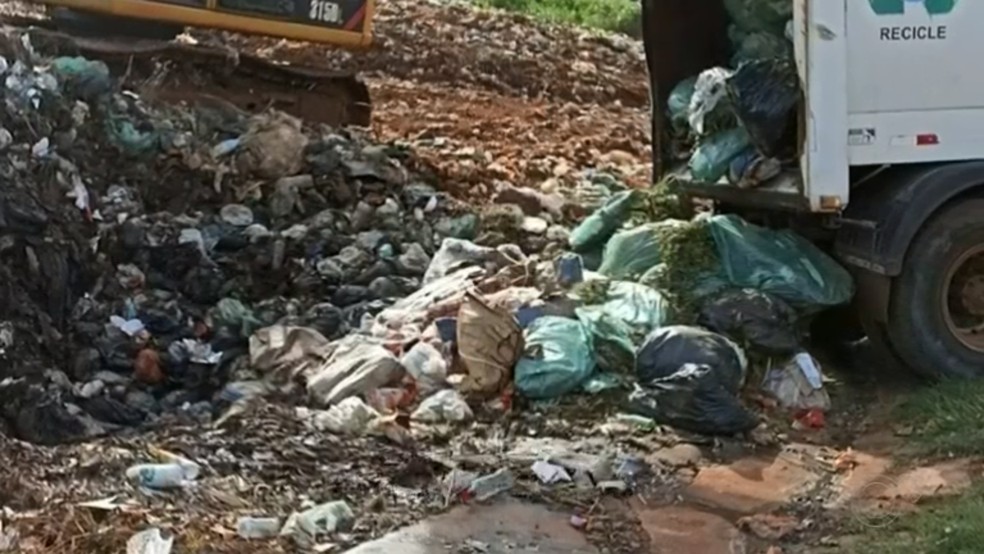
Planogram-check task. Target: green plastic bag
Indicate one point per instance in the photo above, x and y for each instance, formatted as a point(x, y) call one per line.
point(630, 253)
point(760, 46)
point(594, 231)
point(619, 325)
point(678, 104)
point(558, 358)
point(712, 158)
point(780, 263)
point(760, 15)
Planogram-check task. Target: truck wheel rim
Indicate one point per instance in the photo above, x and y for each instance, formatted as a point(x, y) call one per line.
point(963, 299)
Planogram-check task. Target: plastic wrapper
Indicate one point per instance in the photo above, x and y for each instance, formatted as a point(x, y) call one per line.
point(712, 159)
point(798, 385)
point(764, 95)
point(780, 263)
point(558, 358)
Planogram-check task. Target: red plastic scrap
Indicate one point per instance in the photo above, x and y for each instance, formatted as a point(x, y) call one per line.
point(812, 419)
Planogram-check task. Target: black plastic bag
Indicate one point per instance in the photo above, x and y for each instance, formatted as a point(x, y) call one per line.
point(754, 318)
point(764, 96)
point(690, 379)
point(696, 398)
point(667, 349)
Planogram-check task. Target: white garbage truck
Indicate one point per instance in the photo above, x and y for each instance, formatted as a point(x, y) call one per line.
point(890, 168)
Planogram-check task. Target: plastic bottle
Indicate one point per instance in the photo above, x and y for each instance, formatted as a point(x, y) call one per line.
point(487, 486)
point(162, 476)
point(258, 527)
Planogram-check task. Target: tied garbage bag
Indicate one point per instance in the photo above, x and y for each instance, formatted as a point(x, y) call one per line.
point(667, 349)
point(594, 231)
point(614, 350)
point(691, 379)
point(695, 398)
point(758, 46)
point(780, 263)
point(712, 158)
point(678, 104)
point(760, 15)
point(764, 95)
point(630, 312)
point(631, 253)
point(557, 360)
point(754, 318)
point(710, 110)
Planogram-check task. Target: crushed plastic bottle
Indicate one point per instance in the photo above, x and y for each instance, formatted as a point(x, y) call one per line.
point(304, 527)
point(258, 527)
point(163, 476)
point(487, 486)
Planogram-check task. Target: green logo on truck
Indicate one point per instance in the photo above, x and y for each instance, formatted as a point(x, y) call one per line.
point(892, 7)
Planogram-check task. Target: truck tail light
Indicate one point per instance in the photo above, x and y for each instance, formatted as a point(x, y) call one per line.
point(928, 139)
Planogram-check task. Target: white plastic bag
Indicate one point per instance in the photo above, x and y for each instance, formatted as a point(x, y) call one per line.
point(798, 385)
point(444, 406)
point(427, 366)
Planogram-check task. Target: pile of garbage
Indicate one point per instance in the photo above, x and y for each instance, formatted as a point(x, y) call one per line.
point(739, 123)
point(144, 247)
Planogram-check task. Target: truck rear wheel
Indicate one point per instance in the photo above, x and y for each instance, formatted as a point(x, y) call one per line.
point(936, 314)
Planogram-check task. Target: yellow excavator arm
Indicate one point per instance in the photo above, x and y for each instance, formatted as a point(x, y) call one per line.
point(134, 37)
point(346, 23)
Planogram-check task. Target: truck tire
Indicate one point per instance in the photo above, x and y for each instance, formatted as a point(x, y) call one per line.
point(938, 299)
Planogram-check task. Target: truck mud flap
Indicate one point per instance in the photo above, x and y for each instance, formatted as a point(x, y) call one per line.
point(177, 72)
